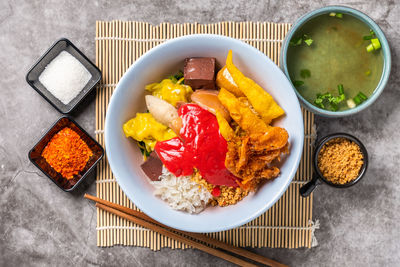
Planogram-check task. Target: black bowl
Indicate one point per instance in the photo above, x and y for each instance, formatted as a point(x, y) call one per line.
point(306, 190)
point(35, 154)
point(33, 75)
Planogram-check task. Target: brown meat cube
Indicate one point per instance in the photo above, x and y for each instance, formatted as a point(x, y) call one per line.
point(152, 167)
point(199, 72)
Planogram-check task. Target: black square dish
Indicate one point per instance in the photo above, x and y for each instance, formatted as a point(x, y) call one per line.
point(35, 155)
point(33, 75)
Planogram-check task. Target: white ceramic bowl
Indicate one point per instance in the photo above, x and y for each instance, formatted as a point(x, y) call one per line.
point(125, 158)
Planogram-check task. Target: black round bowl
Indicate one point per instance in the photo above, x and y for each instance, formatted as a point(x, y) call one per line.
point(306, 189)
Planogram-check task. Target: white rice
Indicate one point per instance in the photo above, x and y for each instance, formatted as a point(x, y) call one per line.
point(181, 193)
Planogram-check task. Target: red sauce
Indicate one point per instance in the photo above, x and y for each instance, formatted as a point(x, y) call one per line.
point(200, 146)
point(216, 192)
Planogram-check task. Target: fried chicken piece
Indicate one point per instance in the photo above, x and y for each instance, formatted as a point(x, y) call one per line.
point(270, 173)
point(274, 138)
point(243, 154)
point(268, 156)
point(250, 157)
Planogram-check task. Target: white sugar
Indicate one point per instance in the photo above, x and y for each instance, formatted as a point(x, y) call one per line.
point(65, 77)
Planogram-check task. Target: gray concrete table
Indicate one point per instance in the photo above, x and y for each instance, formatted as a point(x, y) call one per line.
point(40, 225)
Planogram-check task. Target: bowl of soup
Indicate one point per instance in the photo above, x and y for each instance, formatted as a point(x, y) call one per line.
point(337, 59)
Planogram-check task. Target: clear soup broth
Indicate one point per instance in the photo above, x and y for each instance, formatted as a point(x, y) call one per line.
point(336, 56)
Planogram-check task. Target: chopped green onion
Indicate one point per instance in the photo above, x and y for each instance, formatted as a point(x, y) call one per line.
point(362, 96)
point(296, 41)
point(370, 36)
point(357, 100)
point(319, 103)
point(351, 104)
point(340, 89)
point(308, 41)
point(305, 73)
point(340, 98)
point(179, 75)
point(143, 149)
point(328, 98)
point(375, 43)
point(299, 40)
point(172, 78)
point(334, 107)
point(298, 83)
point(368, 72)
point(337, 15)
point(177, 78)
point(370, 48)
point(326, 95)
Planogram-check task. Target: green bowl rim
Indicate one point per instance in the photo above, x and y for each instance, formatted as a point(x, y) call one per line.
point(385, 49)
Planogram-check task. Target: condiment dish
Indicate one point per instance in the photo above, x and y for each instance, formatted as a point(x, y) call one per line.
point(33, 75)
point(307, 189)
point(35, 154)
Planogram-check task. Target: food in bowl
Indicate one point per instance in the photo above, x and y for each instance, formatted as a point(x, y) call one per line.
point(213, 136)
point(340, 160)
point(335, 61)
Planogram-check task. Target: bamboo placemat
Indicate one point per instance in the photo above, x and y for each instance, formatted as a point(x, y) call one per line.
point(288, 224)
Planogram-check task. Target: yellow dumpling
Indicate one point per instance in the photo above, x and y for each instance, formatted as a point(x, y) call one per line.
point(145, 128)
point(170, 91)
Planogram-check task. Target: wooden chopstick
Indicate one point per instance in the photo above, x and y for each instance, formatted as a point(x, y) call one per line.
point(112, 207)
point(175, 236)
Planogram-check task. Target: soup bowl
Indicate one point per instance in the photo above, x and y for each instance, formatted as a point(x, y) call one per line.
point(124, 155)
point(372, 25)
